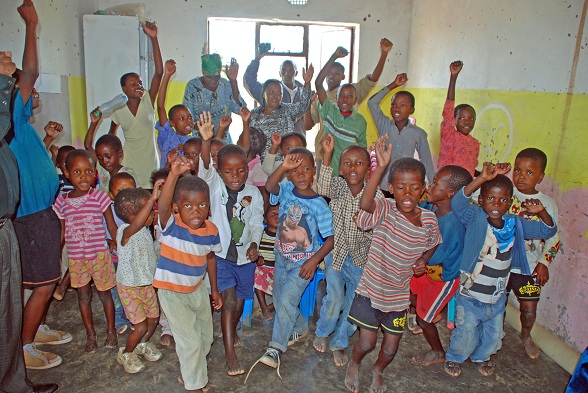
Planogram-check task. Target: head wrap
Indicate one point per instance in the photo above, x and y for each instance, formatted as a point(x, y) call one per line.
point(211, 64)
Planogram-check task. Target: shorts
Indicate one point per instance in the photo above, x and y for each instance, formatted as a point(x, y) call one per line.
point(432, 296)
point(524, 287)
point(229, 275)
point(39, 239)
point(100, 269)
point(365, 316)
point(264, 279)
point(139, 303)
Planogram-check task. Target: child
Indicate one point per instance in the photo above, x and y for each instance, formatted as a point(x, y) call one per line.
point(264, 272)
point(134, 277)
point(188, 244)
point(281, 144)
point(137, 118)
point(81, 212)
point(215, 145)
point(404, 136)
point(237, 211)
point(344, 266)
point(175, 131)
point(431, 292)
point(458, 147)
point(64, 184)
point(529, 169)
point(108, 152)
point(303, 215)
point(494, 246)
point(346, 125)
point(404, 239)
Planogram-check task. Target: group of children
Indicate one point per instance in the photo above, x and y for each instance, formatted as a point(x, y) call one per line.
point(220, 222)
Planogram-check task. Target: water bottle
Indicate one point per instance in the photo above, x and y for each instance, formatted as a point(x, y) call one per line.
point(109, 107)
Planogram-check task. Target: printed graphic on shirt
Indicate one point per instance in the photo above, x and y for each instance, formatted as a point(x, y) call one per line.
point(237, 223)
point(294, 238)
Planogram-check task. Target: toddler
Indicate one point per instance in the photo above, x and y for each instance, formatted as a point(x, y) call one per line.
point(281, 144)
point(264, 272)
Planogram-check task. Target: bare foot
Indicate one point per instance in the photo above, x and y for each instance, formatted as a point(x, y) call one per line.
point(233, 366)
point(236, 340)
point(271, 307)
point(429, 358)
point(378, 385)
point(266, 314)
point(340, 357)
point(352, 377)
point(532, 350)
point(320, 344)
point(165, 340)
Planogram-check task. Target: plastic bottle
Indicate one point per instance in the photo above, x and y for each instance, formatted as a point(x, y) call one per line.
point(109, 107)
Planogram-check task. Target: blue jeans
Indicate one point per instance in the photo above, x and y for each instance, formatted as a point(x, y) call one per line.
point(478, 329)
point(288, 289)
point(120, 318)
point(341, 286)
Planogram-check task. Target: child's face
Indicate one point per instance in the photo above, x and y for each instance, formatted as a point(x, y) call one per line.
point(133, 87)
point(354, 166)
point(495, 202)
point(346, 99)
point(182, 121)
point(303, 175)
point(271, 217)
point(214, 148)
point(335, 77)
point(526, 175)
point(81, 174)
point(465, 120)
point(108, 157)
point(273, 96)
point(120, 184)
point(192, 152)
point(401, 107)
point(290, 143)
point(408, 187)
point(193, 208)
point(439, 189)
point(61, 163)
point(233, 170)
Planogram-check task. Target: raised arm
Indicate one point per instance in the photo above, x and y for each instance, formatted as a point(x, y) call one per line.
point(206, 129)
point(383, 156)
point(340, 52)
point(325, 178)
point(30, 60)
point(385, 46)
point(245, 137)
point(89, 139)
point(52, 130)
point(223, 126)
point(489, 172)
point(454, 70)
point(170, 69)
point(290, 162)
point(143, 215)
point(151, 30)
point(113, 128)
point(180, 166)
point(232, 72)
point(252, 85)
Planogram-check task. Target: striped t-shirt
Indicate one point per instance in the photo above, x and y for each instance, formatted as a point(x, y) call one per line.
point(182, 263)
point(396, 245)
point(266, 248)
point(84, 233)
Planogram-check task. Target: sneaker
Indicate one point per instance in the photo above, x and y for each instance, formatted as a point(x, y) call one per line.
point(272, 358)
point(45, 335)
point(39, 360)
point(295, 337)
point(148, 351)
point(130, 361)
point(121, 329)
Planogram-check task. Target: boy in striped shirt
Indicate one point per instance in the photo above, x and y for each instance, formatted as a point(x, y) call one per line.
point(188, 245)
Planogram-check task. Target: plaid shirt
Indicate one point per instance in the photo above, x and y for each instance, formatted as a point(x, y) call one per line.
point(349, 239)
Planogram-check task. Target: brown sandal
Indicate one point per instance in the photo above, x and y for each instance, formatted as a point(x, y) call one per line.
point(486, 368)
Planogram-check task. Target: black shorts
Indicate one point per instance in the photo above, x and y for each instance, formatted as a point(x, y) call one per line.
point(365, 316)
point(524, 287)
point(39, 239)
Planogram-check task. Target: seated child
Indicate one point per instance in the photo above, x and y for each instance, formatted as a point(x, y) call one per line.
point(237, 211)
point(347, 126)
point(403, 135)
point(529, 169)
point(458, 147)
point(264, 272)
point(81, 211)
point(188, 244)
point(404, 239)
point(303, 214)
point(281, 145)
point(134, 277)
point(344, 266)
point(431, 292)
point(174, 131)
point(108, 152)
point(493, 247)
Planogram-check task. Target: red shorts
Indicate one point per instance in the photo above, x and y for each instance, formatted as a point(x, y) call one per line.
point(432, 296)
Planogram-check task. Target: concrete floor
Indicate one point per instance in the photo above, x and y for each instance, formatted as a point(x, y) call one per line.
point(303, 369)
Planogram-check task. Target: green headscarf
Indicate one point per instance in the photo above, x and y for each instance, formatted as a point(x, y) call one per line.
point(211, 64)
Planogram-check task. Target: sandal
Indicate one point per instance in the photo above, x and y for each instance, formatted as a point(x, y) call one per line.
point(486, 368)
point(91, 343)
point(452, 368)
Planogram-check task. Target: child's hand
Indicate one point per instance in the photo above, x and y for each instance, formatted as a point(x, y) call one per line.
point(111, 246)
point(291, 161)
point(54, 150)
point(52, 129)
point(276, 139)
point(383, 152)
point(205, 126)
point(308, 73)
point(217, 300)
point(340, 52)
point(180, 165)
point(28, 13)
point(180, 147)
point(400, 80)
point(244, 113)
point(95, 115)
point(150, 29)
point(503, 168)
point(420, 267)
point(328, 143)
point(385, 45)
point(541, 274)
point(7, 66)
point(307, 270)
point(455, 67)
point(157, 189)
point(171, 155)
point(225, 122)
point(532, 206)
point(490, 170)
point(170, 67)
point(232, 70)
point(260, 261)
point(252, 253)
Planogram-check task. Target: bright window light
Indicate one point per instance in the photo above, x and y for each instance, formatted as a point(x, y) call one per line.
point(298, 2)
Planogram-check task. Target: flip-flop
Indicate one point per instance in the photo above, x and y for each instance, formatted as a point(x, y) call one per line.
point(486, 368)
point(452, 368)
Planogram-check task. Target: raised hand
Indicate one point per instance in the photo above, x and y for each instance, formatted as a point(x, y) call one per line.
point(340, 52)
point(401, 79)
point(7, 66)
point(276, 139)
point(383, 152)
point(157, 189)
point(52, 129)
point(455, 67)
point(244, 113)
point(328, 143)
point(180, 165)
point(150, 28)
point(28, 12)
point(490, 170)
point(232, 70)
point(292, 161)
point(503, 168)
point(171, 155)
point(95, 115)
point(308, 73)
point(225, 122)
point(385, 45)
point(205, 126)
point(170, 67)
